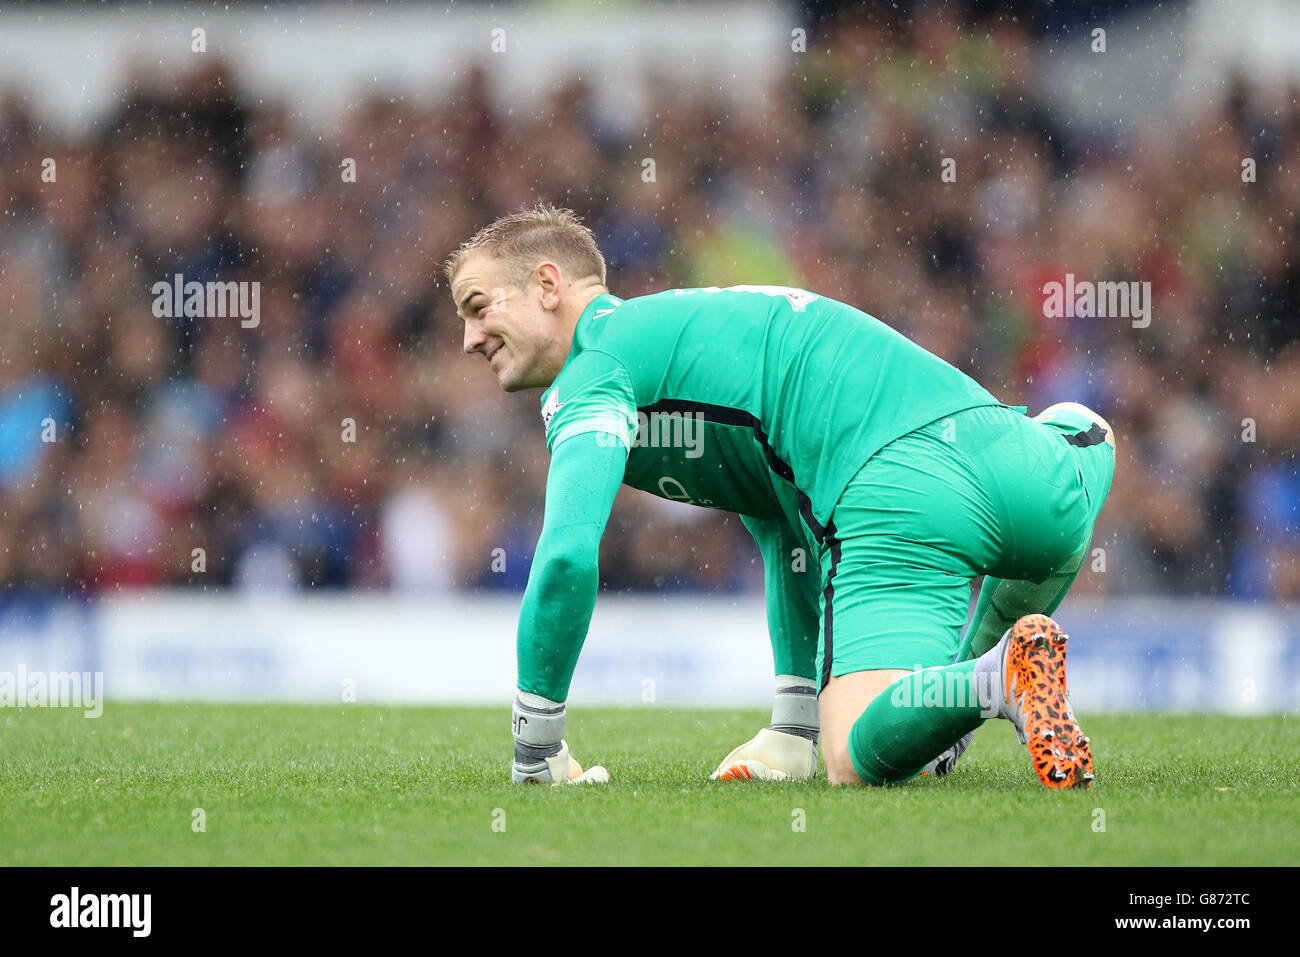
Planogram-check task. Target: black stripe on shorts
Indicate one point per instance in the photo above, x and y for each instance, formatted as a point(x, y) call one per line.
point(828, 652)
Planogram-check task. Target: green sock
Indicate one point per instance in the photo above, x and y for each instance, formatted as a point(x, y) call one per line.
point(913, 721)
point(1003, 602)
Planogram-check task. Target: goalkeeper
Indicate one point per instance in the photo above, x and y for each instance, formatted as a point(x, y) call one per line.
point(825, 430)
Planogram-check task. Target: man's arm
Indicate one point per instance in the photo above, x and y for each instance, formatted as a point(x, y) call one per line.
point(791, 583)
point(792, 578)
point(586, 471)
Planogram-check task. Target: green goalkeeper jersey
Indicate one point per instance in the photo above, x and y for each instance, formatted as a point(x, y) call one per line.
point(724, 396)
point(759, 400)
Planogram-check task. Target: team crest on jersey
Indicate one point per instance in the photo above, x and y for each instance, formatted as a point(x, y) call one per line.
point(550, 407)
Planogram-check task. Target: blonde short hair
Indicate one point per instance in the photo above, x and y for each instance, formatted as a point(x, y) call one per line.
point(525, 238)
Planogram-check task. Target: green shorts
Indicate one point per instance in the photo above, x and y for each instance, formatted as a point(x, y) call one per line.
point(984, 491)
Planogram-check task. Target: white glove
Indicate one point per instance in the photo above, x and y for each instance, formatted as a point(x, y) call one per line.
point(541, 753)
point(787, 749)
point(560, 768)
point(770, 756)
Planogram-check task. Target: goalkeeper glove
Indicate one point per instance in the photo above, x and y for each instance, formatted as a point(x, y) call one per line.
point(788, 749)
point(541, 753)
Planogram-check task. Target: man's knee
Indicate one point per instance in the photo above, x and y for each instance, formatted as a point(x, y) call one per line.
point(841, 703)
point(839, 763)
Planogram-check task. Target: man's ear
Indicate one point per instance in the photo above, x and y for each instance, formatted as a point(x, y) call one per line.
point(548, 276)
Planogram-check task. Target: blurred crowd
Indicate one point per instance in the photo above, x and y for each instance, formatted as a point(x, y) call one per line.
point(138, 450)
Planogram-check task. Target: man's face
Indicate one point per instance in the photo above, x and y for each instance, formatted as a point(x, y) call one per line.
point(511, 328)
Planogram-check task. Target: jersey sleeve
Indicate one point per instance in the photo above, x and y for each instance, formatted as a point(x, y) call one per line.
point(793, 593)
point(580, 487)
point(593, 393)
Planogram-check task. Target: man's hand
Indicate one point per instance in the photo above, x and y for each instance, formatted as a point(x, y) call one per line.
point(541, 753)
point(787, 749)
point(596, 774)
point(560, 768)
point(770, 756)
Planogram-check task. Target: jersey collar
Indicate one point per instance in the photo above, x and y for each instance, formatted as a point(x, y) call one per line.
point(602, 305)
point(597, 309)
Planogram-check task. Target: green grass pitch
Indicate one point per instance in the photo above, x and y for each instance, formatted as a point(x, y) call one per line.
point(291, 784)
